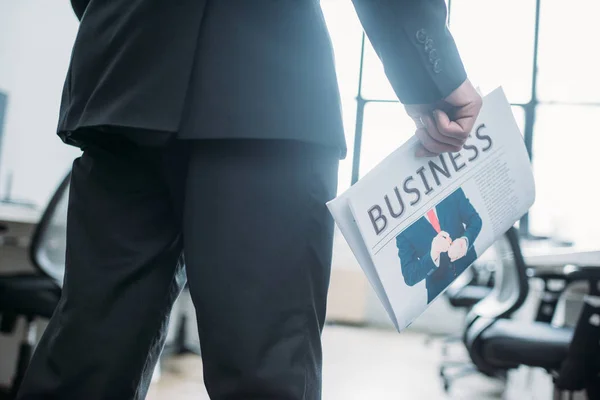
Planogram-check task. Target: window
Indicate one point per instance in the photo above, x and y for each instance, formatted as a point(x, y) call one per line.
point(375, 83)
point(519, 113)
point(496, 40)
point(554, 104)
point(566, 199)
point(386, 127)
point(568, 59)
point(346, 33)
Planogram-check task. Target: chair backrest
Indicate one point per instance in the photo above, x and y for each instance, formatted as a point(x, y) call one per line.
point(508, 295)
point(48, 243)
point(511, 282)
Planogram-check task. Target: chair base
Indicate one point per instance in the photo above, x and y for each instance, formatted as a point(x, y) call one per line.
point(447, 341)
point(460, 368)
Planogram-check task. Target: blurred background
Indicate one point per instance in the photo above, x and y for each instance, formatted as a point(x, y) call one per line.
point(540, 51)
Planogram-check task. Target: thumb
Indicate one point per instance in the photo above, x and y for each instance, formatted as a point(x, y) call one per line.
point(465, 116)
point(448, 127)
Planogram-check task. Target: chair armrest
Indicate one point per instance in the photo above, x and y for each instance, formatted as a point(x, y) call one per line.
point(570, 273)
point(555, 283)
point(554, 275)
point(586, 274)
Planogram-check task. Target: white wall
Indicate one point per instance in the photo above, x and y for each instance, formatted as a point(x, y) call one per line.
point(36, 37)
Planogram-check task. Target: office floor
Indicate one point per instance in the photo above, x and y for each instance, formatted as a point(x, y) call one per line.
point(360, 364)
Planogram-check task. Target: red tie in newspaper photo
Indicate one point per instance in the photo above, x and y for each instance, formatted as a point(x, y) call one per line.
point(435, 222)
point(433, 219)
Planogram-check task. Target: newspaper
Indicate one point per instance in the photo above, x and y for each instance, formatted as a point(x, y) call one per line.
point(415, 224)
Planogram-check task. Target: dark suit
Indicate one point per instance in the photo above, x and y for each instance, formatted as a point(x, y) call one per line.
point(241, 69)
point(459, 219)
point(253, 84)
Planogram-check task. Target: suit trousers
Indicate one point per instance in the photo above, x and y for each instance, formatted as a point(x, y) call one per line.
point(244, 221)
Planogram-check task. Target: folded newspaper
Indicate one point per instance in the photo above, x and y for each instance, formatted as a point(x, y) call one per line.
point(415, 224)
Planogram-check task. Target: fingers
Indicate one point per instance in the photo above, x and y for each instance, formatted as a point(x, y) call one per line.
point(432, 145)
point(453, 133)
point(447, 127)
point(465, 116)
point(442, 241)
point(457, 250)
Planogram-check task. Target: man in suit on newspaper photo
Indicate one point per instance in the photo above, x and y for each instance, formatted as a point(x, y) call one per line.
point(439, 246)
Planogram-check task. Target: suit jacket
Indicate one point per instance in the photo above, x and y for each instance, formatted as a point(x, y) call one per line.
point(255, 69)
point(458, 218)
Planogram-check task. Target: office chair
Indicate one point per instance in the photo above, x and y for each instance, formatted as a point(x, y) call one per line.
point(36, 295)
point(497, 344)
point(580, 370)
point(490, 332)
point(509, 292)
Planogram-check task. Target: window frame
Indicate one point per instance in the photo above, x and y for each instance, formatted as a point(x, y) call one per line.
point(529, 108)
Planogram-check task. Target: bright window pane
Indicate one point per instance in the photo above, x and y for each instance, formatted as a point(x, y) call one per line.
point(564, 149)
point(495, 39)
point(375, 82)
point(346, 32)
point(568, 55)
point(519, 114)
point(493, 55)
point(386, 127)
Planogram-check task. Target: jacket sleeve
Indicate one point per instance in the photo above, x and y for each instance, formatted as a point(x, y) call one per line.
point(412, 40)
point(414, 269)
point(470, 217)
point(79, 7)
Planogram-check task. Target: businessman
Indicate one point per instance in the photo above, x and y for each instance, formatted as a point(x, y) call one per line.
point(211, 130)
point(440, 245)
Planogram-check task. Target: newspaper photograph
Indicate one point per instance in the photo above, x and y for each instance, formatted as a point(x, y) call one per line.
point(415, 224)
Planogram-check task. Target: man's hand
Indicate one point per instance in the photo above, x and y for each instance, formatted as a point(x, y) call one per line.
point(458, 249)
point(445, 126)
point(440, 244)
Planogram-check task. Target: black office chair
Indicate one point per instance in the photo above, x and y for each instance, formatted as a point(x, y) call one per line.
point(36, 295)
point(580, 370)
point(497, 344)
point(511, 286)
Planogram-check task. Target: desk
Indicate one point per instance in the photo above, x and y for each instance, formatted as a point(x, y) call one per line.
point(17, 223)
point(20, 221)
point(558, 258)
point(13, 213)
